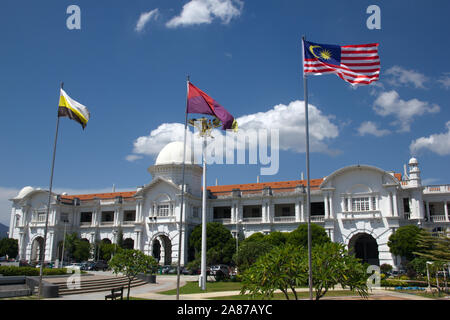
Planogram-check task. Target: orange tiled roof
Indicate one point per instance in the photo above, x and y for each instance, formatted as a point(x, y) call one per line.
point(315, 183)
point(246, 188)
point(91, 196)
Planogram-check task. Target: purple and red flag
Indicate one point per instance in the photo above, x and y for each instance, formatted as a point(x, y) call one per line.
point(200, 102)
point(356, 64)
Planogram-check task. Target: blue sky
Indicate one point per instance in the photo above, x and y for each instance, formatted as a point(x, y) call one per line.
point(246, 55)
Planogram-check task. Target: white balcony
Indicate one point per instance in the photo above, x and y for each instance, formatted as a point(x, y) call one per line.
point(252, 220)
point(317, 218)
point(222, 220)
point(128, 222)
point(284, 219)
point(438, 219)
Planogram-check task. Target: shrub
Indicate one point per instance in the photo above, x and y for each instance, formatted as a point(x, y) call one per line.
point(394, 283)
point(385, 268)
point(29, 271)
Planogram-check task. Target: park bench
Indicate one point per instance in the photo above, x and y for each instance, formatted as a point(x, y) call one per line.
point(115, 293)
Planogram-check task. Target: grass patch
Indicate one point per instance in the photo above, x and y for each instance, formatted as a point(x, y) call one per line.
point(280, 295)
point(136, 298)
point(192, 287)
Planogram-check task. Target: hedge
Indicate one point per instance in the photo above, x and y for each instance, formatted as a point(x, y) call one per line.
point(30, 271)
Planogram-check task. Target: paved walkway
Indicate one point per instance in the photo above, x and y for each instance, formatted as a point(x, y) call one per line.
point(164, 283)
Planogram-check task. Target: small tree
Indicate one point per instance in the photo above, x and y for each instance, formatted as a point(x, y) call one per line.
point(131, 263)
point(283, 268)
point(70, 245)
point(82, 250)
point(249, 252)
point(276, 238)
point(108, 250)
point(220, 244)
point(9, 247)
point(385, 268)
point(120, 237)
point(299, 237)
point(404, 241)
point(332, 265)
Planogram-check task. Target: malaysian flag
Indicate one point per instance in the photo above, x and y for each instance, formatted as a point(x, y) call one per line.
point(356, 64)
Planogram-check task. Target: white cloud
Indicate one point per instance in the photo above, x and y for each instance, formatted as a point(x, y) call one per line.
point(145, 18)
point(389, 103)
point(288, 119)
point(445, 80)
point(205, 11)
point(368, 127)
point(133, 157)
point(401, 76)
point(438, 143)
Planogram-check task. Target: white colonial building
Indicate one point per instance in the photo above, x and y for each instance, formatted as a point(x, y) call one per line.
point(359, 205)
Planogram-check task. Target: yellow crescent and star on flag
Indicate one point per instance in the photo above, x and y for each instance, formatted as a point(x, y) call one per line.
point(322, 54)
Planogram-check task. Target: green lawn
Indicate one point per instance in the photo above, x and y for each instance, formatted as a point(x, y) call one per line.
point(280, 296)
point(192, 287)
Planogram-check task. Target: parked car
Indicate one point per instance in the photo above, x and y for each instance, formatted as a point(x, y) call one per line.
point(172, 270)
point(165, 269)
point(222, 268)
point(100, 265)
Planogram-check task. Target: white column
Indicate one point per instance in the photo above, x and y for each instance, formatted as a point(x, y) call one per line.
point(302, 213)
point(332, 235)
point(271, 213)
point(446, 210)
point(297, 211)
point(428, 211)
point(391, 209)
point(350, 204)
point(331, 214)
point(327, 210)
point(395, 203)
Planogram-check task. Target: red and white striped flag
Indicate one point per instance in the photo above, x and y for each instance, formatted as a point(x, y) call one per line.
point(356, 64)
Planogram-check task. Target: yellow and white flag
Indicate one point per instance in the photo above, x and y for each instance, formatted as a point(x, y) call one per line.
point(72, 109)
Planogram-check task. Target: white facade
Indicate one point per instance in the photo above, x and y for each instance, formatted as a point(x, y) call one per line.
point(360, 206)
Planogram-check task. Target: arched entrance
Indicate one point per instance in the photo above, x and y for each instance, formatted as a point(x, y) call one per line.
point(128, 243)
point(37, 249)
point(365, 248)
point(162, 250)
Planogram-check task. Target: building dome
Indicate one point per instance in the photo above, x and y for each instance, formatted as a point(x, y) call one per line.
point(413, 161)
point(24, 192)
point(173, 153)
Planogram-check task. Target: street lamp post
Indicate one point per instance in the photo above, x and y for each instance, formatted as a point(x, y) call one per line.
point(428, 275)
point(237, 234)
point(64, 242)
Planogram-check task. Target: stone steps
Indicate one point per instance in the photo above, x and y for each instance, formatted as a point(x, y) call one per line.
point(98, 285)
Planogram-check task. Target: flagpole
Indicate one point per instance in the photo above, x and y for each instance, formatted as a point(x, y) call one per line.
point(48, 205)
point(203, 259)
point(182, 193)
point(308, 188)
